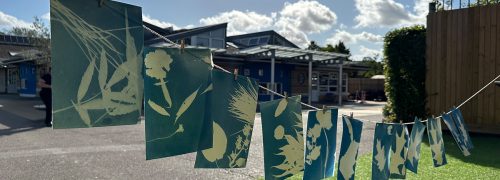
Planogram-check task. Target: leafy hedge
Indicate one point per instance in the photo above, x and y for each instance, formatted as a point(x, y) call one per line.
point(404, 69)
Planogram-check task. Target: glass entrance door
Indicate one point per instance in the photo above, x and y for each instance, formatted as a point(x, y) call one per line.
point(12, 80)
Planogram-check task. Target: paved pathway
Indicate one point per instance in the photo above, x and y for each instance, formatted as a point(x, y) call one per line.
point(28, 150)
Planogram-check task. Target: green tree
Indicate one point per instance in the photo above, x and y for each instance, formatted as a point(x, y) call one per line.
point(341, 48)
point(376, 68)
point(338, 48)
point(313, 46)
point(404, 69)
point(328, 48)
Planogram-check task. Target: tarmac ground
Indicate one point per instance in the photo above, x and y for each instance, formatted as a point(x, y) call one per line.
point(29, 150)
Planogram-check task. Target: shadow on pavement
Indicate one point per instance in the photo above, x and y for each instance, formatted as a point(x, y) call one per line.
point(11, 124)
point(21, 107)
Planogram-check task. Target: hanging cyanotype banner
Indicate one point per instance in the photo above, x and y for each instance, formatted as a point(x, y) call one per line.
point(177, 86)
point(321, 143)
point(460, 123)
point(416, 136)
point(382, 142)
point(233, 107)
point(351, 136)
point(450, 123)
point(436, 141)
point(399, 151)
point(283, 137)
point(96, 63)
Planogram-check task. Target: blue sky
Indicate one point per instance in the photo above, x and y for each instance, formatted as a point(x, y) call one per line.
point(361, 24)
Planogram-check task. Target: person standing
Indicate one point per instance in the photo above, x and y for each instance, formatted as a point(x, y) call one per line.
point(45, 82)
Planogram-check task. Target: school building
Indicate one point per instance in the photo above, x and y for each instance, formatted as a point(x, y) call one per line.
point(276, 63)
point(21, 64)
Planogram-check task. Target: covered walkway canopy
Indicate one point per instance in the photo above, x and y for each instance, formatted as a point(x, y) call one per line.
point(297, 55)
point(22, 56)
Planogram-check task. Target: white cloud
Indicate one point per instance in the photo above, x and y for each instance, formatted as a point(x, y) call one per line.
point(307, 16)
point(421, 9)
point(297, 20)
point(158, 23)
point(389, 13)
point(240, 22)
point(190, 26)
point(294, 35)
point(46, 16)
point(366, 52)
point(380, 13)
point(350, 38)
point(342, 26)
point(7, 22)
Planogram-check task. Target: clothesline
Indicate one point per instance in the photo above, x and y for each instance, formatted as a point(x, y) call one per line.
point(308, 105)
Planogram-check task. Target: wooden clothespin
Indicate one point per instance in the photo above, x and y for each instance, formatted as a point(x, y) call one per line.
point(286, 95)
point(101, 3)
point(400, 121)
point(235, 74)
point(183, 45)
point(324, 109)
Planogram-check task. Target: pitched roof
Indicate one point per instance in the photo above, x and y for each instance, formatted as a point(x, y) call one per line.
point(262, 33)
point(179, 34)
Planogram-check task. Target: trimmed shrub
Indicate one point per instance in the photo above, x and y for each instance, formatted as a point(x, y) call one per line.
point(404, 70)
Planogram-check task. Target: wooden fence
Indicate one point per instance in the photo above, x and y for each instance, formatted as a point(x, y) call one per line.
point(463, 54)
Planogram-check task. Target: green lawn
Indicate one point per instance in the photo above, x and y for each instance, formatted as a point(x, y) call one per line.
point(484, 163)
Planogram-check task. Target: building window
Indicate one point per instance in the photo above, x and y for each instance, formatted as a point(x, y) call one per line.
point(323, 79)
point(253, 41)
point(246, 72)
point(187, 41)
point(328, 82)
point(261, 72)
point(344, 83)
point(262, 91)
point(279, 88)
point(205, 34)
point(244, 41)
point(219, 33)
point(200, 41)
point(263, 40)
point(217, 43)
